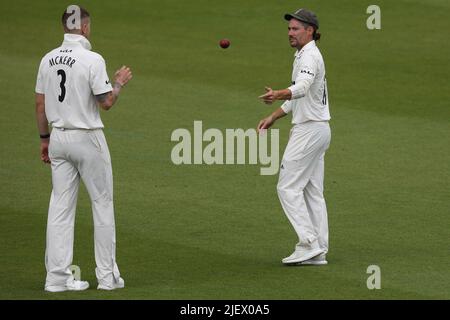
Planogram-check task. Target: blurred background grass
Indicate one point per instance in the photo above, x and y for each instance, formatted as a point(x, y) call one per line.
point(218, 232)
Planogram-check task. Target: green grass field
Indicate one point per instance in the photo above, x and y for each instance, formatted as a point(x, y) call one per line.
point(218, 232)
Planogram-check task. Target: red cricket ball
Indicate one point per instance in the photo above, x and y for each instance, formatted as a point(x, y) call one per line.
point(224, 43)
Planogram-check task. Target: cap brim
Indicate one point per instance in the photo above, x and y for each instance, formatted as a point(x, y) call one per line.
point(289, 16)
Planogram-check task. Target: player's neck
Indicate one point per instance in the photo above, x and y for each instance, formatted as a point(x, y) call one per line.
point(300, 47)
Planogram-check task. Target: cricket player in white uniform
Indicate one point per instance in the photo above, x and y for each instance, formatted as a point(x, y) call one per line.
point(72, 84)
point(300, 184)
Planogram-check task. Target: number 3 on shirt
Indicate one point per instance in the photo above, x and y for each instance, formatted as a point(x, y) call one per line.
point(61, 85)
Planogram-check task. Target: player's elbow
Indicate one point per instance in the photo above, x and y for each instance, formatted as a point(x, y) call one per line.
point(106, 105)
point(40, 108)
point(105, 100)
point(299, 90)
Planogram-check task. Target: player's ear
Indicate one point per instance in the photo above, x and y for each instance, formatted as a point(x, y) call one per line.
point(86, 27)
point(85, 30)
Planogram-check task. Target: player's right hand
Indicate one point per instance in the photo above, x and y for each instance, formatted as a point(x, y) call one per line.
point(123, 75)
point(269, 97)
point(44, 152)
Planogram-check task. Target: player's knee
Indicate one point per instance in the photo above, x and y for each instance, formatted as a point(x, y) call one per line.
point(61, 215)
point(290, 189)
point(314, 193)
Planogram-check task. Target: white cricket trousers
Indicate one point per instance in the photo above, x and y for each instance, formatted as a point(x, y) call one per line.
point(76, 154)
point(300, 184)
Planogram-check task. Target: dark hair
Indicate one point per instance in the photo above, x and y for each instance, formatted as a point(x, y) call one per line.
point(316, 35)
point(83, 14)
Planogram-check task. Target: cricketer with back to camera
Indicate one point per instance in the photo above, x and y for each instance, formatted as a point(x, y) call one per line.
point(72, 84)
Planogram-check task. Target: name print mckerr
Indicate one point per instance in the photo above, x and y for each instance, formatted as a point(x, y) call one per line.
point(62, 59)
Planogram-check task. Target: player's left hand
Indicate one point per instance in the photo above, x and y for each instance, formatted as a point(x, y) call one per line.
point(44, 151)
point(265, 124)
point(270, 96)
point(123, 75)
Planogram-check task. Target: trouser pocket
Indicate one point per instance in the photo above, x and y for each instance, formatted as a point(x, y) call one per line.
point(95, 140)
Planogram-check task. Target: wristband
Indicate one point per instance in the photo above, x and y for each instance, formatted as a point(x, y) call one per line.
point(45, 136)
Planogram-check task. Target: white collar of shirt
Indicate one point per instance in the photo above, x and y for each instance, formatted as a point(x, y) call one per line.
point(310, 44)
point(70, 38)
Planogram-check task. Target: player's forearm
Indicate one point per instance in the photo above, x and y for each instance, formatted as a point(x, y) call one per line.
point(277, 114)
point(42, 123)
point(107, 100)
point(284, 94)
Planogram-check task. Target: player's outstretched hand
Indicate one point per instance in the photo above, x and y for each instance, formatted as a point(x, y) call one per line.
point(123, 75)
point(269, 97)
point(265, 123)
point(44, 152)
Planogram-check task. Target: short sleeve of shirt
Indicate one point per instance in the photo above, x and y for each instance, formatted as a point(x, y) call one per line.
point(98, 77)
point(40, 80)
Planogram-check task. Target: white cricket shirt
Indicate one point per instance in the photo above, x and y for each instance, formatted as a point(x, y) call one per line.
point(309, 87)
point(69, 77)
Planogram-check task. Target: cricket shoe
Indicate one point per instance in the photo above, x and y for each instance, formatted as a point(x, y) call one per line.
point(319, 260)
point(117, 284)
point(303, 252)
point(71, 285)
